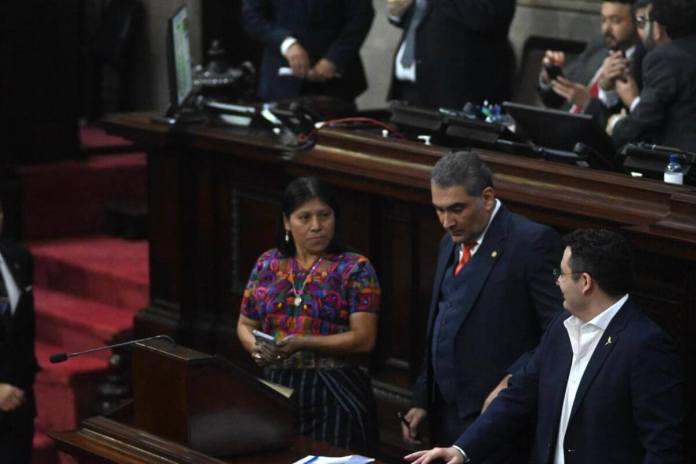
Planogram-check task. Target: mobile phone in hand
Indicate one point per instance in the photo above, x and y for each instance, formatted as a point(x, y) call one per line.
point(262, 337)
point(553, 71)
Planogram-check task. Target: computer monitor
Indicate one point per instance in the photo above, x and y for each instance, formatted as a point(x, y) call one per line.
point(179, 62)
point(562, 130)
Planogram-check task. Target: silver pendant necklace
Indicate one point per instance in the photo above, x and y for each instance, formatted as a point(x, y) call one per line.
point(297, 301)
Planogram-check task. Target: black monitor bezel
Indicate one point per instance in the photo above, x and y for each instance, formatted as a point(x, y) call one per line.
point(586, 131)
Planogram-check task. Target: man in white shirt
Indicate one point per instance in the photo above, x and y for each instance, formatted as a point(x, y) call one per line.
point(604, 385)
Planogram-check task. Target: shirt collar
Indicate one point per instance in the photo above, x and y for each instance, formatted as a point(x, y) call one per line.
point(480, 238)
point(630, 51)
point(601, 320)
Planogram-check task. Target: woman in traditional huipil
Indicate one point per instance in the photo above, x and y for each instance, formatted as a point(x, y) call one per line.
point(319, 302)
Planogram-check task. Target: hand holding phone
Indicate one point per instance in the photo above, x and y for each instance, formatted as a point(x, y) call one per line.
point(553, 71)
point(262, 337)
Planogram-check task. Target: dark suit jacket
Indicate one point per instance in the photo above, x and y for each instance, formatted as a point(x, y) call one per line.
point(582, 70)
point(510, 299)
point(462, 52)
point(629, 405)
point(332, 29)
point(18, 365)
point(666, 114)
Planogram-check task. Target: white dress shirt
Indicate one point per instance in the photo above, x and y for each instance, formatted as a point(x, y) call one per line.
point(584, 337)
point(10, 284)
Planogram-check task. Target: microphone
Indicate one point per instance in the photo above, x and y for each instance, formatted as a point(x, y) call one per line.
point(60, 357)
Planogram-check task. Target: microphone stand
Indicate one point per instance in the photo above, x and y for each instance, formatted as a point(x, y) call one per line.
point(61, 357)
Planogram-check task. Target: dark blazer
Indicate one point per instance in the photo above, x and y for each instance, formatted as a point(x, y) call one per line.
point(629, 405)
point(18, 364)
point(510, 298)
point(462, 52)
point(583, 69)
point(666, 114)
point(332, 29)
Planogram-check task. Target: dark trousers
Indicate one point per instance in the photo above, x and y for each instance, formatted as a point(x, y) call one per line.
point(16, 436)
point(333, 405)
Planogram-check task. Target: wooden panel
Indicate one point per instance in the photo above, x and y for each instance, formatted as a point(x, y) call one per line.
point(164, 228)
point(234, 179)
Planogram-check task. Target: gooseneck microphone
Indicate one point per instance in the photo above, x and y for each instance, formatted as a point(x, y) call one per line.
point(60, 357)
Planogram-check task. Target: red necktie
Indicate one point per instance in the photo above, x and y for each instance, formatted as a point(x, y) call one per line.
point(593, 90)
point(464, 258)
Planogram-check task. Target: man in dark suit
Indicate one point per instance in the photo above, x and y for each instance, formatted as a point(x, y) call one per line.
point(605, 384)
point(17, 362)
point(311, 47)
point(664, 111)
point(452, 52)
point(493, 294)
point(588, 82)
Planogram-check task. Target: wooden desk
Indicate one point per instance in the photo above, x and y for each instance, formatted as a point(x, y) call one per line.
point(103, 440)
point(214, 207)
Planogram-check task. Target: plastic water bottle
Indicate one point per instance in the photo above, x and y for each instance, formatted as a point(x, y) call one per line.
point(674, 174)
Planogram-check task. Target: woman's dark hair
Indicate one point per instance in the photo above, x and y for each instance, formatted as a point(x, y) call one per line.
point(297, 193)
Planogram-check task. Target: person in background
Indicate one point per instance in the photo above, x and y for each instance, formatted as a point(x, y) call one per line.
point(320, 303)
point(605, 384)
point(18, 364)
point(587, 84)
point(452, 52)
point(311, 47)
point(663, 112)
point(493, 295)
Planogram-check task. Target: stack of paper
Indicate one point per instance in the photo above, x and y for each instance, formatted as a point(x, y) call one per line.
point(352, 459)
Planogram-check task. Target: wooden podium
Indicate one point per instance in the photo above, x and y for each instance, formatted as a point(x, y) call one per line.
point(188, 407)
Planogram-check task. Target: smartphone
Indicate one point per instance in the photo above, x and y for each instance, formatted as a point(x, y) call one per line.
point(553, 71)
point(262, 337)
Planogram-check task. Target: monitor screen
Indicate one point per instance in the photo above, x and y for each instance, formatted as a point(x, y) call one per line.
point(180, 73)
point(561, 130)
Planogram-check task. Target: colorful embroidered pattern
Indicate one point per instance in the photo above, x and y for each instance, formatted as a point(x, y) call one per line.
point(340, 286)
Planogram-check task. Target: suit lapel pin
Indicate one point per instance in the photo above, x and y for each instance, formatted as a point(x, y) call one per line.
point(494, 254)
point(609, 341)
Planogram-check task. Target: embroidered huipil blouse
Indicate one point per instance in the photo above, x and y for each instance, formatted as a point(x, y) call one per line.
point(339, 286)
